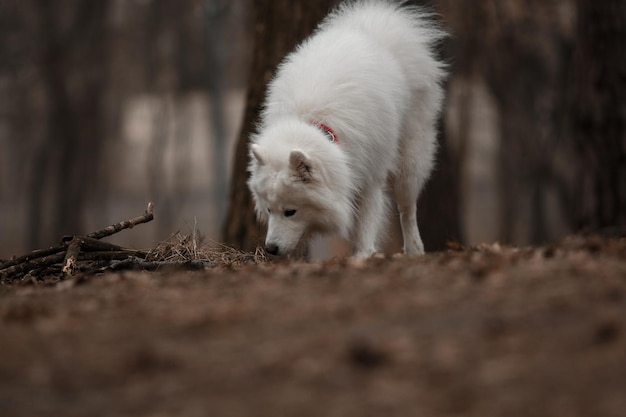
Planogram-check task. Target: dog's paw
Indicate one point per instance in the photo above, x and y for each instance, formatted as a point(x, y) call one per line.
point(362, 259)
point(365, 253)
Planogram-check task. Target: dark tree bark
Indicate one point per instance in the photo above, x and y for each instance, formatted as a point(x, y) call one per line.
point(438, 209)
point(215, 84)
point(69, 155)
point(520, 52)
point(600, 114)
point(279, 25)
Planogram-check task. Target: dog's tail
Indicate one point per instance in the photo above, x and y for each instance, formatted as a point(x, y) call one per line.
point(411, 33)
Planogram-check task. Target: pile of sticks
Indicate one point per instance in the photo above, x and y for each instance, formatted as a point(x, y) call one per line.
point(74, 251)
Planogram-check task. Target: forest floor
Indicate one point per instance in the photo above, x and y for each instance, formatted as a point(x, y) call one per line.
point(485, 331)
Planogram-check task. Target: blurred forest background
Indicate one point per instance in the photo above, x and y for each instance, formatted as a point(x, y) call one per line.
point(108, 104)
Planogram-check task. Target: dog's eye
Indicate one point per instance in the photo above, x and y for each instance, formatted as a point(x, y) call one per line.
point(269, 211)
point(289, 213)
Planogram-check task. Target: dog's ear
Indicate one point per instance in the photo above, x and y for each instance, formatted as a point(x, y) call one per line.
point(300, 165)
point(256, 153)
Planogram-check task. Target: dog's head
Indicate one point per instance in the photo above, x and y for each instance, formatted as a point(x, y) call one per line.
point(300, 183)
point(285, 194)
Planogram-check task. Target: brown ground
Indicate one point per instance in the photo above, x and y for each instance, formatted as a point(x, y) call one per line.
point(488, 331)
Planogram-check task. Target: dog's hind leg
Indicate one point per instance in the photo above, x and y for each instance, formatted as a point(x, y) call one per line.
point(369, 222)
point(416, 162)
point(407, 207)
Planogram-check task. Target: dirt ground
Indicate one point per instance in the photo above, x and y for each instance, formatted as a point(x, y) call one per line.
point(488, 331)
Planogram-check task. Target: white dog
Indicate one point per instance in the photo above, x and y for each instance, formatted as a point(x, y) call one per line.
point(350, 111)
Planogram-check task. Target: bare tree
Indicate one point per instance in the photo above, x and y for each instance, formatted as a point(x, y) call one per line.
point(520, 51)
point(215, 12)
point(599, 111)
point(72, 63)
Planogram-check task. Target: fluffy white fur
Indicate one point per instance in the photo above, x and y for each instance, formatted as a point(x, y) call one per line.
point(368, 73)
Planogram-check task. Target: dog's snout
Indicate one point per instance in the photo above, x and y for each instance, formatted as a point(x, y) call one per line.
point(271, 248)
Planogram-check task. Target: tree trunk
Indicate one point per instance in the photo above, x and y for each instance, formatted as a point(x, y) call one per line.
point(600, 114)
point(438, 209)
point(70, 153)
point(279, 25)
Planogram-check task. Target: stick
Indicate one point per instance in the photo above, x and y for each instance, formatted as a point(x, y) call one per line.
point(39, 253)
point(111, 256)
point(91, 244)
point(81, 244)
point(131, 264)
point(69, 263)
point(40, 262)
point(47, 261)
point(128, 224)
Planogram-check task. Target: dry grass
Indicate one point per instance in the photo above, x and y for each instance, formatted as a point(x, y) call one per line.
point(184, 248)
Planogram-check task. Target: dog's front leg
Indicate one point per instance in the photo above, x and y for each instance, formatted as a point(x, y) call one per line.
point(369, 221)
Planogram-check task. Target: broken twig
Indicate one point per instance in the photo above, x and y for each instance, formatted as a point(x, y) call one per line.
point(128, 224)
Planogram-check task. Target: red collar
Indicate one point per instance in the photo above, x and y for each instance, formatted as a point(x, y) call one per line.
point(328, 132)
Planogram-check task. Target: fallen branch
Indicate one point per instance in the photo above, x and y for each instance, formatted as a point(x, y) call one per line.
point(71, 256)
point(128, 224)
point(142, 265)
point(76, 248)
point(79, 247)
point(15, 271)
point(39, 253)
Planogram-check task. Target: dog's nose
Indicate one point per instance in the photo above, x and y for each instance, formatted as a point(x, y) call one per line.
point(271, 248)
